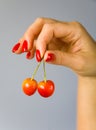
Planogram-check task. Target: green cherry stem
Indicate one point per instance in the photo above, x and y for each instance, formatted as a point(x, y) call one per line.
point(44, 71)
point(35, 71)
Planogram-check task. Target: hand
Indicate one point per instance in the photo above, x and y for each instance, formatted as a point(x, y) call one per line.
point(61, 43)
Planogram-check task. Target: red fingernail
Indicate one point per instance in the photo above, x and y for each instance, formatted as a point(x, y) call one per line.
point(15, 48)
point(38, 57)
point(25, 46)
point(50, 57)
point(28, 55)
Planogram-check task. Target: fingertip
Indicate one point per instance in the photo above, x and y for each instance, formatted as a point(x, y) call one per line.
point(38, 55)
point(29, 55)
point(17, 48)
point(25, 46)
point(49, 57)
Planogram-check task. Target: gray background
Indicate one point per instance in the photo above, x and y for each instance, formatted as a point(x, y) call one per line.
point(17, 111)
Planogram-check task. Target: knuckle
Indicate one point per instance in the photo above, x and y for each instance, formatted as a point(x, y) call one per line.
point(76, 24)
point(78, 27)
point(48, 26)
point(40, 20)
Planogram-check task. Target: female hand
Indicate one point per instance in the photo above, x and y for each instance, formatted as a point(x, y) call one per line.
point(61, 43)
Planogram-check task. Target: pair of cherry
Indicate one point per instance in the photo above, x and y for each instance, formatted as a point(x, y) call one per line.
point(45, 87)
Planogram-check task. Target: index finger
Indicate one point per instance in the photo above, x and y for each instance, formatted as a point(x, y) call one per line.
point(34, 30)
point(58, 30)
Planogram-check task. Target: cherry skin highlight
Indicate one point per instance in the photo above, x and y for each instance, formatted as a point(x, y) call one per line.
point(29, 86)
point(46, 88)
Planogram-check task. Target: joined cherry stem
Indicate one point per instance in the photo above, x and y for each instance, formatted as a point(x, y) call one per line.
point(44, 71)
point(36, 69)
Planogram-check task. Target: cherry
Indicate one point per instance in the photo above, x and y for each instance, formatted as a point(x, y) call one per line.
point(46, 88)
point(29, 86)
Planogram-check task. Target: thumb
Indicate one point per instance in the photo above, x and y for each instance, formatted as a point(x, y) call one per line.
point(59, 58)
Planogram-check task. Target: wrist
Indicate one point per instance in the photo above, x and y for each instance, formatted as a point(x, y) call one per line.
point(87, 81)
point(86, 103)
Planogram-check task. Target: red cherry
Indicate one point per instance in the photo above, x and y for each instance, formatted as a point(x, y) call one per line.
point(29, 86)
point(46, 89)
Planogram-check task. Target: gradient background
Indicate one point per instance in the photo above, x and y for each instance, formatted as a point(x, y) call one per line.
point(17, 111)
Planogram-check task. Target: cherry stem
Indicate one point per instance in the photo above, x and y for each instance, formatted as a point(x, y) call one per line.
point(44, 71)
point(35, 71)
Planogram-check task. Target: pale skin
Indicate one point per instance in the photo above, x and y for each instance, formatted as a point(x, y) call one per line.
point(73, 47)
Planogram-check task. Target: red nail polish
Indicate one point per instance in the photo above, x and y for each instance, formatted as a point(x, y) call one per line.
point(15, 48)
point(25, 46)
point(38, 57)
point(50, 57)
point(28, 55)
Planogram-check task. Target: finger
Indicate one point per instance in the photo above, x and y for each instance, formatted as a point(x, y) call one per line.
point(34, 30)
point(31, 34)
point(44, 38)
point(30, 54)
point(17, 48)
point(58, 58)
point(62, 58)
point(70, 60)
point(50, 31)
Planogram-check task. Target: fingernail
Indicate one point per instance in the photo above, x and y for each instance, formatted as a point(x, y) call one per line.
point(38, 56)
point(15, 48)
point(50, 57)
point(25, 46)
point(28, 55)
